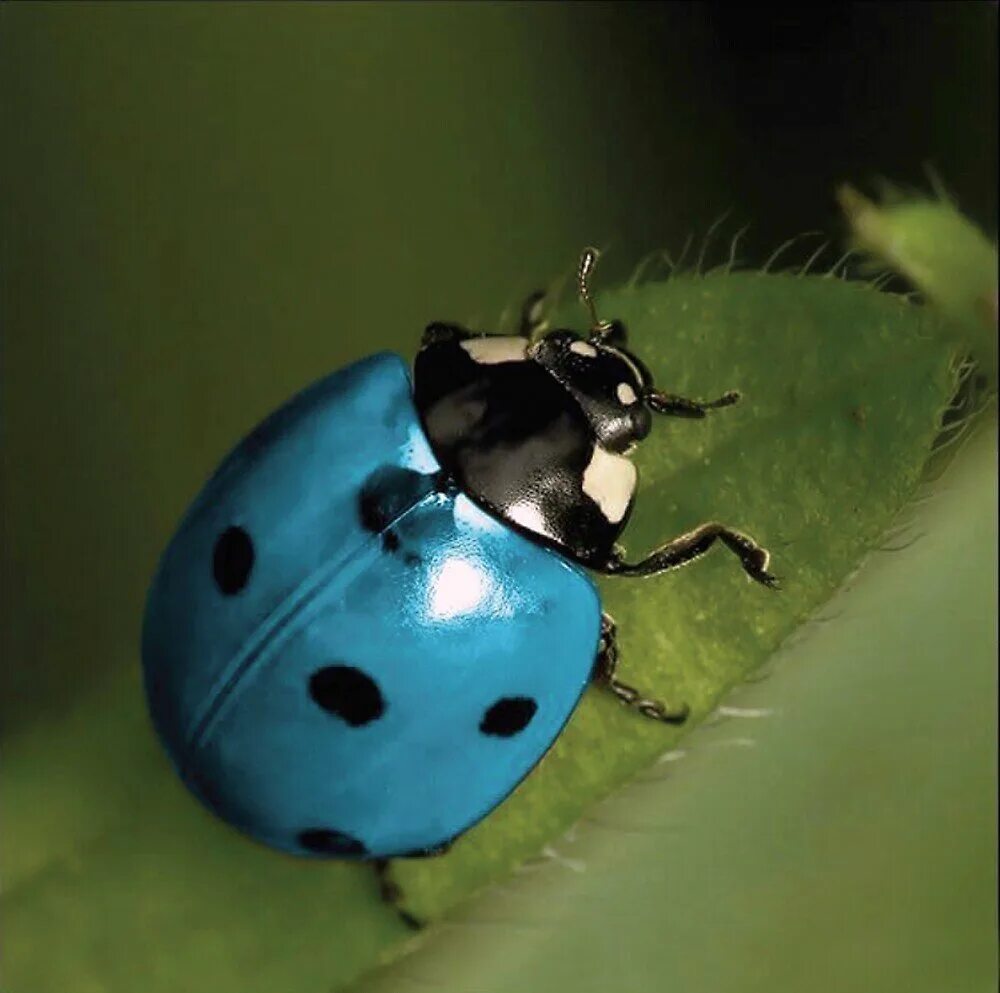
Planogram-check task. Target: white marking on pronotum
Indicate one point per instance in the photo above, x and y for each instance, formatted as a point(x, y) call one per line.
point(493, 350)
point(626, 395)
point(609, 481)
point(582, 348)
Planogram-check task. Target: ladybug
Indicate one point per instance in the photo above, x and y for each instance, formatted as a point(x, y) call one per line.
point(376, 617)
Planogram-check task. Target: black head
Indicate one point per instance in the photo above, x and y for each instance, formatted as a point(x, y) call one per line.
point(610, 384)
point(538, 432)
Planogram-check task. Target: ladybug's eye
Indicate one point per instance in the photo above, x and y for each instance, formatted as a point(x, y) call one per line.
point(232, 560)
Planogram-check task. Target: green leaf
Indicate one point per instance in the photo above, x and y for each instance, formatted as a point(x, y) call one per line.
point(844, 389)
point(939, 251)
point(833, 828)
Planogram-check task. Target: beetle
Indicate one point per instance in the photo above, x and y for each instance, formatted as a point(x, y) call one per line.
point(377, 615)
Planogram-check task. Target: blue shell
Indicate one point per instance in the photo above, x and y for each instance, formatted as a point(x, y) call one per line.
point(359, 565)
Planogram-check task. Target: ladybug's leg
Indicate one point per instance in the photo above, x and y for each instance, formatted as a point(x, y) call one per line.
point(605, 667)
point(693, 545)
point(532, 319)
point(392, 894)
point(675, 406)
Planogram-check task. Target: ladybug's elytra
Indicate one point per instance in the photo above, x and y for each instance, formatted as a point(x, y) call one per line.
point(376, 617)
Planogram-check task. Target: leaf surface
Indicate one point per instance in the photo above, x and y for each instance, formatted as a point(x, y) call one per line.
point(843, 391)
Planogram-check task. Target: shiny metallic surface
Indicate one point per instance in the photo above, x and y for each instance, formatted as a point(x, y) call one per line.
point(361, 560)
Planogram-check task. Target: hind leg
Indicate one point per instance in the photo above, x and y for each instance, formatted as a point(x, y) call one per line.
point(605, 669)
point(391, 892)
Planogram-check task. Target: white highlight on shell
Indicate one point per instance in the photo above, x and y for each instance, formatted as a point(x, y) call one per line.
point(468, 515)
point(528, 516)
point(582, 348)
point(417, 453)
point(609, 480)
point(492, 351)
point(458, 587)
point(626, 395)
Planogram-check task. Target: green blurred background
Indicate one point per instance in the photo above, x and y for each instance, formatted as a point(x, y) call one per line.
point(206, 207)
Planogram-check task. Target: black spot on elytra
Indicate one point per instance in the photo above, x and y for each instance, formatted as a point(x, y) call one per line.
point(232, 560)
point(347, 693)
point(390, 541)
point(508, 716)
point(325, 841)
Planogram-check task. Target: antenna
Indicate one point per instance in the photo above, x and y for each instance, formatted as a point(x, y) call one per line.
point(588, 262)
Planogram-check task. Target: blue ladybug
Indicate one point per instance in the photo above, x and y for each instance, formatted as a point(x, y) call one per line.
point(376, 617)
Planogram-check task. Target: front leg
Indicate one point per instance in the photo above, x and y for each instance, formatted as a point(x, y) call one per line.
point(675, 406)
point(605, 667)
point(693, 545)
